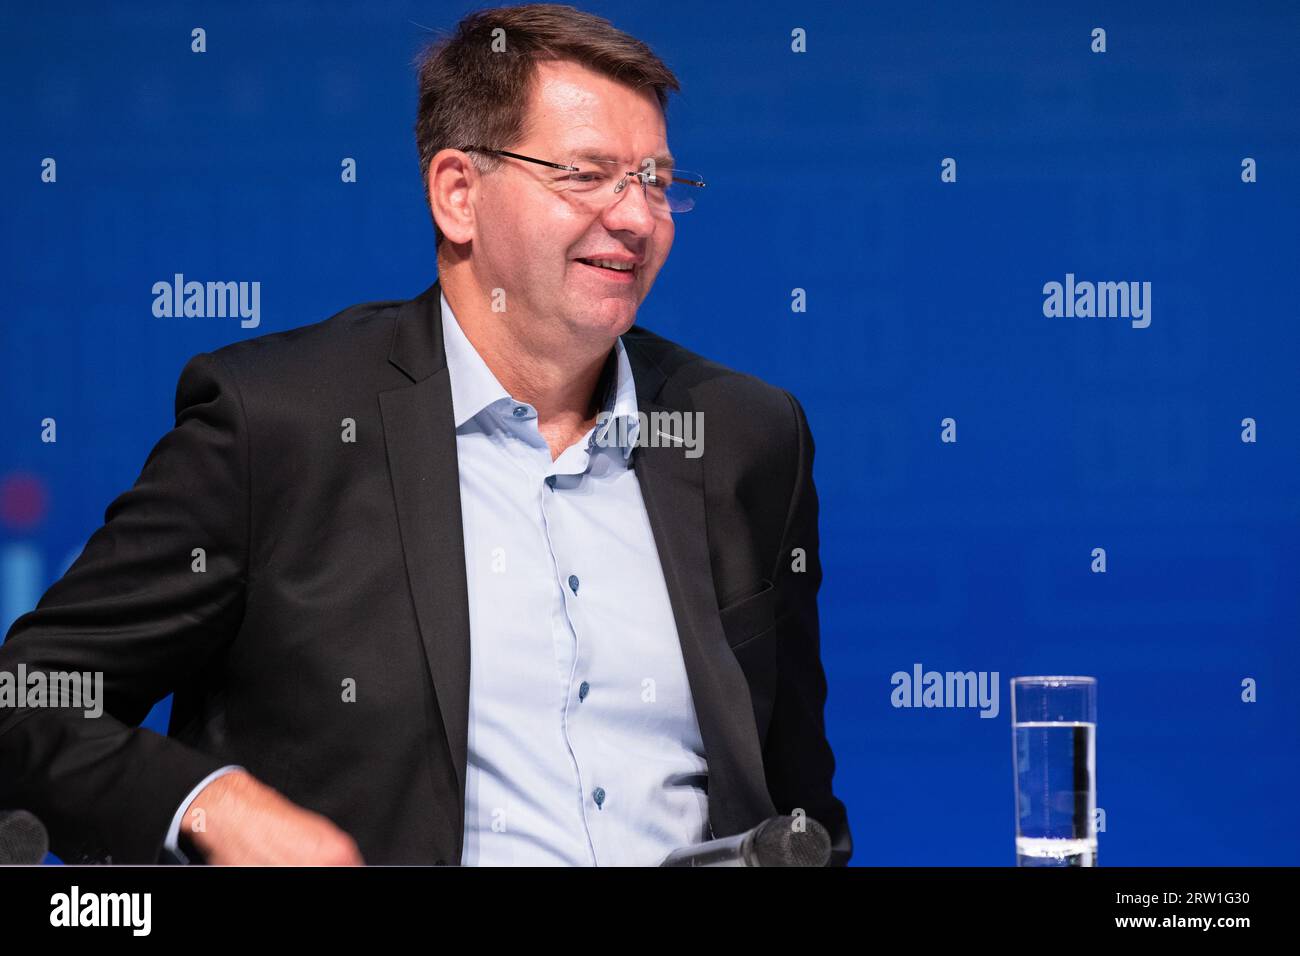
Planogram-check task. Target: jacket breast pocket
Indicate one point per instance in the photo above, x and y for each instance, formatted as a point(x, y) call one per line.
point(750, 617)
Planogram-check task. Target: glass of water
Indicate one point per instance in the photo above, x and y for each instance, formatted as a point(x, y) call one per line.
point(1054, 728)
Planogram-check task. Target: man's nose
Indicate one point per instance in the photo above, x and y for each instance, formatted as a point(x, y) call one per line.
point(631, 213)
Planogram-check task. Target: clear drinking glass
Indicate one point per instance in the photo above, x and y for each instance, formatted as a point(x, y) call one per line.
point(1054, 730)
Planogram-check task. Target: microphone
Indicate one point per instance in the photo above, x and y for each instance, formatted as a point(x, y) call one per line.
point(774, 842)
point(23, 840)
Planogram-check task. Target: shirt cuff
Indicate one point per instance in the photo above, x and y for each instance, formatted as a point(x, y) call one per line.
point(171, 846)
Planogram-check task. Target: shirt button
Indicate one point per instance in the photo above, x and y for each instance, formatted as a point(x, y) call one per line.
point(582, 690)
point(598, 795)
point(520, 411)
point(573, 583)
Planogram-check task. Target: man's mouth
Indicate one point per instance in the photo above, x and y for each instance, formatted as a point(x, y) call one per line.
point(611, 265)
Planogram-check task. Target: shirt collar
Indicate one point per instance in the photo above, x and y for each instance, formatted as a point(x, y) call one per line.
point(474, 387)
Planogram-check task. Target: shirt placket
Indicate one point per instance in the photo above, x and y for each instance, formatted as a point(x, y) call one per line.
point(560, 478)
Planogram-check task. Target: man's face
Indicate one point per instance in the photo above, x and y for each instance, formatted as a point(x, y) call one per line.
point(531, 235)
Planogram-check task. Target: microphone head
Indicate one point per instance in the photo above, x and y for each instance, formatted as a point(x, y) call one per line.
point(776, 842)
point(23, 840)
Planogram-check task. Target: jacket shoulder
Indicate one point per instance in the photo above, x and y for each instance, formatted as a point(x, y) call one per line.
point(710, 384)
point(320, 351)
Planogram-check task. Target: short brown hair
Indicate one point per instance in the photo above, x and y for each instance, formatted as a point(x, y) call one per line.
point(471, 95)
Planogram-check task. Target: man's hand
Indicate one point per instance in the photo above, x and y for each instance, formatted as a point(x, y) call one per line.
point(247, 823)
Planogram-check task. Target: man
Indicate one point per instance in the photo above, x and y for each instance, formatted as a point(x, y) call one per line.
point(424, 588)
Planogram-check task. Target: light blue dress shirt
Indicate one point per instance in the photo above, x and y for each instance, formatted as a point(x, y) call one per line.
point(583, 742)
point(584, 747)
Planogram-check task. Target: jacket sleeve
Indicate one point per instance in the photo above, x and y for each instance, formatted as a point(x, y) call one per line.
point(797, 756)
point(142, 610)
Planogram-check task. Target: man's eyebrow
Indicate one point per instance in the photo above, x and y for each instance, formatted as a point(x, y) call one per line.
point(663, 159)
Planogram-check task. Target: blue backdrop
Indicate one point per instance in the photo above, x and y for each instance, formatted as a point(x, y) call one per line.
point(924, 301)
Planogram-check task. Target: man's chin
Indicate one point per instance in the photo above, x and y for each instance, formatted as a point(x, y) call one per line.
point(609, 316)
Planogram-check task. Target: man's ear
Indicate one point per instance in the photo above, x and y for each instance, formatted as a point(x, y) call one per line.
point(452, 179)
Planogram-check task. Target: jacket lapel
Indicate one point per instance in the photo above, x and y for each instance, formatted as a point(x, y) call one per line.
point(672, 486)
point(420, 438)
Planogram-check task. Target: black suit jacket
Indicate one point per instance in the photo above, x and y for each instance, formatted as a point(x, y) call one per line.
point(328, 560)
